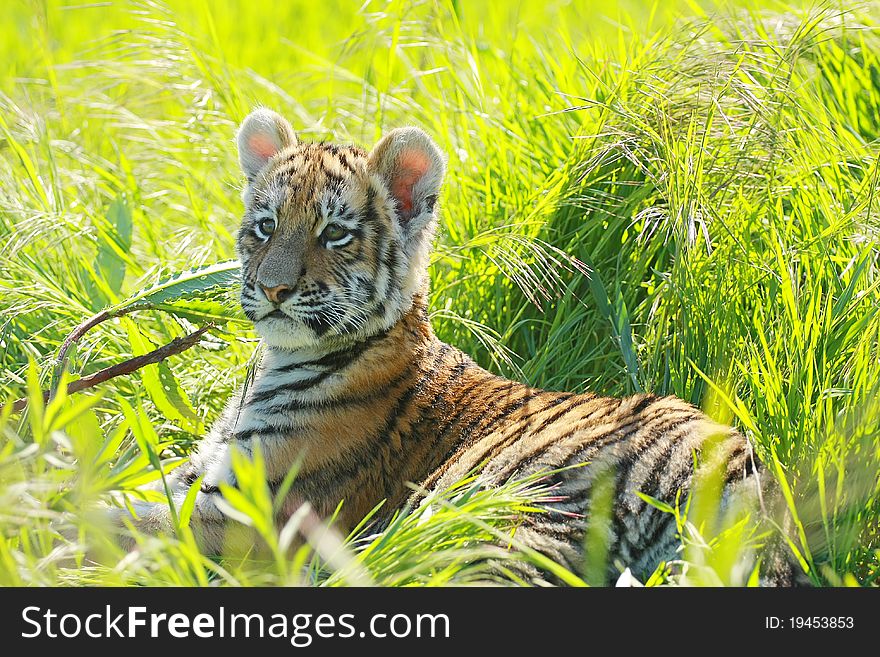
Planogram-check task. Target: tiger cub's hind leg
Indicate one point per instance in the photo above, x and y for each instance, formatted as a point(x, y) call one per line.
point(598, 524)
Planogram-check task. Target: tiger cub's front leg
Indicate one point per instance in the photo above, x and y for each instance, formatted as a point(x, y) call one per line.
point(156, 518)
point(213, 531)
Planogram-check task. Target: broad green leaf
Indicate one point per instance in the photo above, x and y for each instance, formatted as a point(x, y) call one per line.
point(161, 386)
point(189, 502)
point(114, 243)
point(208, 282)
point(219, 311)
point(179, 399)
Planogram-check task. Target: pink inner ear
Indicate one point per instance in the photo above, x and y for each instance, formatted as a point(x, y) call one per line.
point(411, 166)
point(262, 146)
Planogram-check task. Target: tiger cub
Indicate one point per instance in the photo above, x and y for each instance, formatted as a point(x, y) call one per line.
point(355, 388)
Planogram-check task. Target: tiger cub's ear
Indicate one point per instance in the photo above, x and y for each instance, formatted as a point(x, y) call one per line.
point(261, 136)
point(412, 167)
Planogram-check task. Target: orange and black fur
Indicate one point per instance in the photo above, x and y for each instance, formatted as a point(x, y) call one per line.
point(354, 385)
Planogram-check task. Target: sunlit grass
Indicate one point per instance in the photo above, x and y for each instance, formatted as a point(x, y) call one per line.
point(713, 169)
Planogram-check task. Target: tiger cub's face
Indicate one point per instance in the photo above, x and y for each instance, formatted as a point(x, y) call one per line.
point(334, 241)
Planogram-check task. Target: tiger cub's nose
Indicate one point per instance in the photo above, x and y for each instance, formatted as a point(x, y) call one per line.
point(277, 294)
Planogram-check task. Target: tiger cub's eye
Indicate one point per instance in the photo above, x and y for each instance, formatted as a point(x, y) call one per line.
point(334, 233)
point(265, 227)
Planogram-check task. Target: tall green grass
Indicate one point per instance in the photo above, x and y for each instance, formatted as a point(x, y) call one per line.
point(677, 198)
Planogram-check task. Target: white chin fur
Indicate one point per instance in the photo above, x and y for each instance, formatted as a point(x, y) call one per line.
point(283, 334)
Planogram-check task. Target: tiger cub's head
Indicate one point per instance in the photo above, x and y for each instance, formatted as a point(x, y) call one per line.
point(335, 241)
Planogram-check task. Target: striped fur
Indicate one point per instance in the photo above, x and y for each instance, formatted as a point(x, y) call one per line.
point(355, 388)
